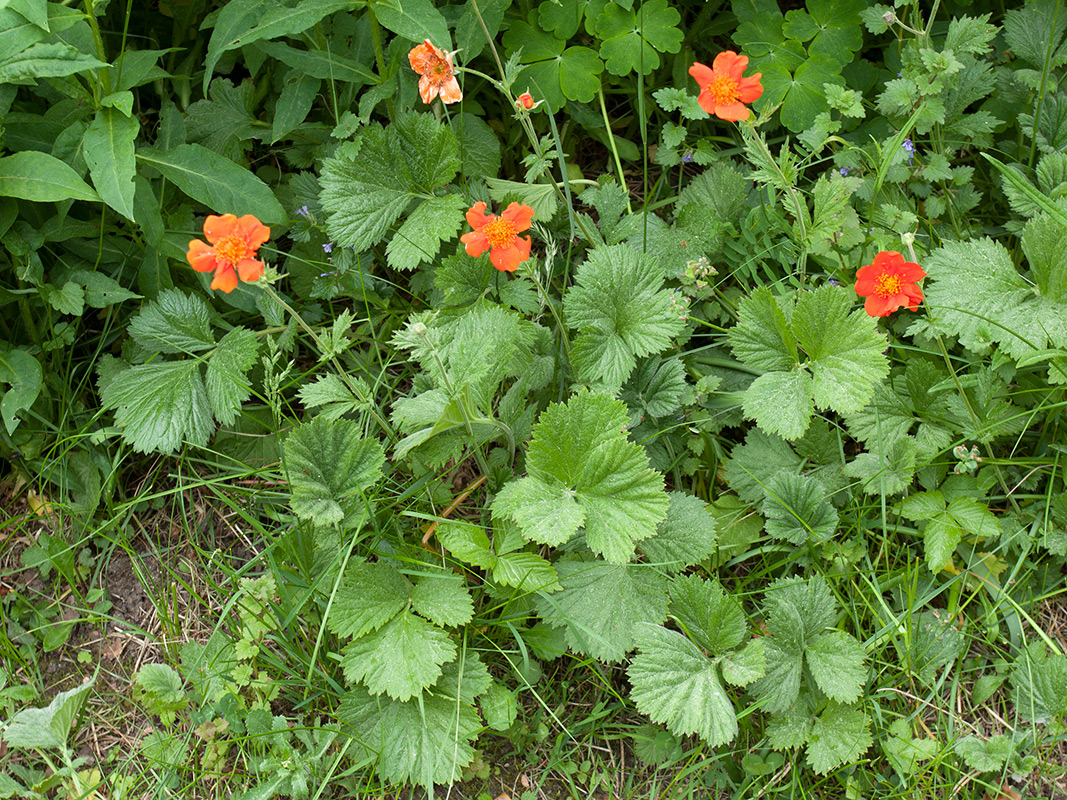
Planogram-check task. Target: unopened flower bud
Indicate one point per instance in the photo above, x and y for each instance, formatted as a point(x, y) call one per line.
point(889, 18)
point(419, 329)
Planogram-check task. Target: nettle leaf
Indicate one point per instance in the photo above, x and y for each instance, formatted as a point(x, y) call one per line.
point(175, 322)
point(1040, 683)
point(227, 379)
point(836, 663)
point(687, 536)
point(364, 194)
point(558, 73)
point(780, 402)
point(887, 473)
point(160, 405)
point(582, 470)
point(601, 603)
point(442, 598)
point(840, 735)
point(753, 464)
point(655, 388)
point(796, 509)
point(762, 337)
point(621, 310)
point(709, 616)
point(336, 398)
point(400, 659)
point(630, 39)
point(330, 466)
point(371, 596)
point(425, 740)
point(434, 220)
point(674, 683)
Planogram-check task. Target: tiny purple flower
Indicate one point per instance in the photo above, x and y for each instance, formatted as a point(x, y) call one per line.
point(832, 282)
point(328, 247)
point(687, 156)
point(899, 75)
point(302, 211)
point(844, 170)
point(908, 146)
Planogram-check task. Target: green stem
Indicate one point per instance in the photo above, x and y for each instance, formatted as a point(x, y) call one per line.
point(379, 54)
point(102, 75)
point(614, 150)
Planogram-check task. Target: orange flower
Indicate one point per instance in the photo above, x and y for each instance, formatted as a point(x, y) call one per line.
point(889, 283)
point(233, 243)
point(722, 89)
point(526, 101)
point(436, 70)
point(499, 235)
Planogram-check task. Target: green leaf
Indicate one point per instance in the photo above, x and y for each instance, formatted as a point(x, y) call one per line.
point(227, 380)
point(294, 103)
point(68, 300)
point(108, 144)
point(31, 175)
point(846, 351)
point(747, 665)
point(840, 735)
point(23, 372)
point(467, 542)
point(674, 683)
point(49, 726)
point(905, 751)
point(442, 598)
point(753, 464)
point(215, 181)
point(630, 40)
point(710, 617)
point(400, 659)
point(780, 684)
point(621, 310)
point(434, 220)
point(687, 536)
point(1040, 683)
point(499, 707)
point(797, 510)
point(800, 92)
point(558, 73)
point(322, 64)
point(51, 60)
point(160, 405)
point(583, 470)
point(415, 20)
point(781, 402)
point(600, 604)
point(984, 755)
point(175, 322)
point(163, 687)
point(836, 663)
point(371, 596)
point(832, 26)
point(886, 474)
point(330, 467)
point(479, 146)
point(762, 338)
point(526, 571)
point(334, 396)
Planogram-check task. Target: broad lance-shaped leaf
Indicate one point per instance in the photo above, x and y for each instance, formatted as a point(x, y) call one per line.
point(330, 466)
point(600, 604)
point(621, 311)
point(49, 726)
point(584, 471)
point(674, 683)
point(32, 175)
point(109, 153)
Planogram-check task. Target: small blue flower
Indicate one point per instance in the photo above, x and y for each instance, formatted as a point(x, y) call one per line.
point(908, 146)
point(832, 282)
point(687, 156)
point(328, 247)
point(844, 170)
point(302, 211)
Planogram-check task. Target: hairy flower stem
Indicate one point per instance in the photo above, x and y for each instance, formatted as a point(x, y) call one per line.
point(379, 54)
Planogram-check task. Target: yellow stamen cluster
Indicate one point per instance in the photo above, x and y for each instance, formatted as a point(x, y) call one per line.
point(232, 248)
point(499, 232)
point(725, 90)
point(888, 285)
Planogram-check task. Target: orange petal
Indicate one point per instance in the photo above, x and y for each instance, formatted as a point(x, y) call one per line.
point(476, 216)
point(506, 259)
point(201, 256)
point(522, 244)
point(706, 101)
point(250, 270)
point(475, 242)
point(450, 91)
point(750, 89)
point(734, 112)
point(218, 228)
point(225, 279)
point(702, 73)
point(519, 216)
point(428, 89)
point(253, 231)
point(912, 272)
point(730, 63)
point(421, 56)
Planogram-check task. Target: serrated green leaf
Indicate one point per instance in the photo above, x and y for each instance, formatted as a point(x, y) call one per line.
point(467, 542)
point(227, 380)
point(160, 405)
point(499, 707)
point(330, 467)
point(841, 734)
point(889, 473)
point(400, 659)
point(108, 145)
point(687, 536)
point(175, 322)
point(780, 684)
point(781, 402)
point(984, 755)
point(600, 604)
point(710, 617)
point(621, 310)
point(746, 665)
point(583, 470)
point(164, 684)
point(762, 338)
point(443, 599)
point(753, 464)
point(334, 396)
point(371, 596)
point(1040, 683)
point(68, 300)
point(674, 683)
point(632, 40)
point(905, 751)
point(836, 663)
point(796, 509)
point(526, 571)
point(434, 220)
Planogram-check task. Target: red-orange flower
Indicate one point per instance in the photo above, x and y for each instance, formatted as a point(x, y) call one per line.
point(889, 283)
point(231, 245)
point(723, 91)
point(526, 101)
point(499, 235)
point(438, 76)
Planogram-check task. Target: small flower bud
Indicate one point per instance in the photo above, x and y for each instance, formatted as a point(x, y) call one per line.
point(889, 18)
point(419, 329)
point(526, 101)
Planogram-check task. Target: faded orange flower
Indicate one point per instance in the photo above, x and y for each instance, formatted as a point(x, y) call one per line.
point(889, 283)
point(499, 235)
point(232, 243)
point(437, 71)
point(526, 101)
point(723, 91)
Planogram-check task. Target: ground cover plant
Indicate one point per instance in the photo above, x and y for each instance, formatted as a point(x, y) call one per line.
point(539, 399)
